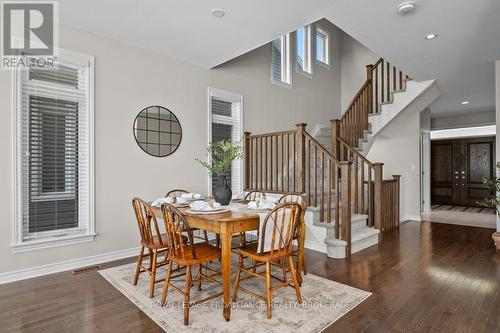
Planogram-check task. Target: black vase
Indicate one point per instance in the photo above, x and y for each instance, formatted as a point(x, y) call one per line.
point(223, 193)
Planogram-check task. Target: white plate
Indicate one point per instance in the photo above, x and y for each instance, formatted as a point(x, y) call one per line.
point(254, 210)
point(215, 211)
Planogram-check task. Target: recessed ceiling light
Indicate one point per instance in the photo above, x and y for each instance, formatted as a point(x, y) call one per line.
point(465, 102)
point(218, 12)
point(431, 36)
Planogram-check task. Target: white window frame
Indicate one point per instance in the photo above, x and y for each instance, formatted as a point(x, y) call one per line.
point(307, 66)
point(85, 232)
point(234, 98)
point(286, 60)
point(326, 54)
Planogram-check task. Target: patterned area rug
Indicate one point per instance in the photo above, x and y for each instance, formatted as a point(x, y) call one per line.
point(324, 302)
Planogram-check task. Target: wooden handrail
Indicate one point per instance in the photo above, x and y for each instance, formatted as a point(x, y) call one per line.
point(294, 161)
point(355, 152)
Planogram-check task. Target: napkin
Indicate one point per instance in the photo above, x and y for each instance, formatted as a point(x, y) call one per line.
point(190, 195)
point(161, 201)
point(261, 204)
point(203, 205)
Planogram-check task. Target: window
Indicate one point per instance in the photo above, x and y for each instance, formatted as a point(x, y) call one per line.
point(54, 147)
point(322, 46)
point(304, 63)
point(226, 123)
point(281, 73)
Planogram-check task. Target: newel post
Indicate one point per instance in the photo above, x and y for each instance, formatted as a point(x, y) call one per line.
point(300, 158)
point(345, 204)
point(369, 77)
point(377, 194)
point(397, 208)
point(335, 134)
point(247, 160)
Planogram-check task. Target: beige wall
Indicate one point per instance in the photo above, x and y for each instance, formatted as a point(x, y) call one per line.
point(126, 80)
point(463, 120)
point(398, 146)
point(355, 56)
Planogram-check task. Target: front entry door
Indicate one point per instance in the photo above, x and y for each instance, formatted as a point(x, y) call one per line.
point(458, 167)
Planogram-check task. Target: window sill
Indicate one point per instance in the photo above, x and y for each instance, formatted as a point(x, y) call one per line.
point(322, 64)
point(282, 84)
point(52, 242)
point(304, 73)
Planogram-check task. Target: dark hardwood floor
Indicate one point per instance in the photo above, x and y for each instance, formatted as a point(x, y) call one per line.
point(426, 277)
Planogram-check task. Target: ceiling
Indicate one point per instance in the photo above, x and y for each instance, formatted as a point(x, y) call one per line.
point(461, 58)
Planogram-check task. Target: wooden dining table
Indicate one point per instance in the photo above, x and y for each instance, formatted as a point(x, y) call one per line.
point(224, 224)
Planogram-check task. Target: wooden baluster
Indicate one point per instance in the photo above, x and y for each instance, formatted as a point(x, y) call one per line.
point(329, 215)
point(315, 176)
point(345, 216)
point(287, 156)
point(382, 94)
point(308, 169)
point(369, 77)
point(282, 163)
point(247, 159)
point(400, 80)
point(377, 194)
point(322, 190)
point(356, 183)
point(337, 203)
point(388, 83)
point(394, 81)
point(362, 189)
point(370, 198)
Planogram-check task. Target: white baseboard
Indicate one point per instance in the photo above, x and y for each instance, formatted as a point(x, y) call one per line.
point(405, 218)
point(315, 246)
point(67, 265)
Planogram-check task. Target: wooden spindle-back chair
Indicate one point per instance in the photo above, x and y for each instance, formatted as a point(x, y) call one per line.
point(151, 239)
point(300, 234)
point(184, 252)
point(279, 227)
point(254, 195)
point(177, 193)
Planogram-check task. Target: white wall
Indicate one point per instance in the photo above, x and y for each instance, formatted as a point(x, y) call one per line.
point(397, 146)
point(355, 56)
point(482, 118)
point(128, 79)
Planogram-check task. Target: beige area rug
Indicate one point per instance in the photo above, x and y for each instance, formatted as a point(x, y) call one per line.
point(324, 302)
point(482, 220)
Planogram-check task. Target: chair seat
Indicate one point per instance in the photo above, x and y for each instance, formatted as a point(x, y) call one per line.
point(250, 251)
point(204, 253)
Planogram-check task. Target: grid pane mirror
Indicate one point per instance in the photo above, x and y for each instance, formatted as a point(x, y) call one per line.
point(157, 131)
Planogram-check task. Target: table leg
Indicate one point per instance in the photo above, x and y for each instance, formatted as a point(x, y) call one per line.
point(226, 238)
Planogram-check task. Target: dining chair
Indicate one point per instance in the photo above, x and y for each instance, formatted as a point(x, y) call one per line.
point(275, 244)
point(178, 193)
point(185, 253)
point(254, 195)
point(152, 240)
point(300, 234)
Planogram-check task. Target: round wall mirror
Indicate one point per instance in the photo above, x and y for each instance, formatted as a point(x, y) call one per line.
point(157, 131)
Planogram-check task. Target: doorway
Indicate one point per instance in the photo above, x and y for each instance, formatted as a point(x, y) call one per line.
point(458, 167)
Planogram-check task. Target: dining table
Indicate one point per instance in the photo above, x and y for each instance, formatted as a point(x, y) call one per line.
point(225, 224)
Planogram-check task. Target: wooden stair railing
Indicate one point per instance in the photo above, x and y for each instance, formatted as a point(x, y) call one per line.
point(382, 80)
point(372, 195)
point(293, 161)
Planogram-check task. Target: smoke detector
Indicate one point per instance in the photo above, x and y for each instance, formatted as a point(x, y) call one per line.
point(406, 7)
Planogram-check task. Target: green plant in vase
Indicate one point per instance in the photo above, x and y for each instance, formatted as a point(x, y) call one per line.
point(493, 201)
point(222, 154)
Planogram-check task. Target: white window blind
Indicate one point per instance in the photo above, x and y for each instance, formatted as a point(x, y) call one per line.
point(226, 123)
point(304, 62)
point(280, 63)
point(55, 150)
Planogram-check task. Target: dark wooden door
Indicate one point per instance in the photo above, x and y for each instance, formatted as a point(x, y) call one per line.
point(457, 170)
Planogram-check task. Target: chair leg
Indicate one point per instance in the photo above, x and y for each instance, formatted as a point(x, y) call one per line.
point(295, 282)
point(268, 290)
point(217, 240)
point(200, 273)
point(237, 280)
point(153, 274)
point(166, 284)
point(139, 263)
point(283, 268)
point(186, 295)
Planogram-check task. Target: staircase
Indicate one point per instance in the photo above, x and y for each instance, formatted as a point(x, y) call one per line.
point(350, 202)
